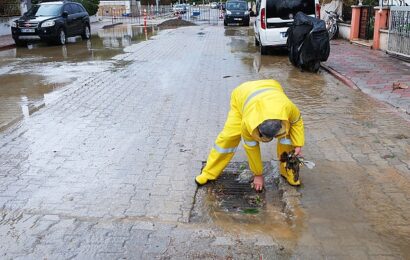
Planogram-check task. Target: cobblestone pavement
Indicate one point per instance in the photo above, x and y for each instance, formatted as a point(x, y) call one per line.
point(373, 72)
point(106, 171)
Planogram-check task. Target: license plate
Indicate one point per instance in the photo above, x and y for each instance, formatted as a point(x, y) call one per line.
point(283, 34)
point(27, 30)
point(237, 19)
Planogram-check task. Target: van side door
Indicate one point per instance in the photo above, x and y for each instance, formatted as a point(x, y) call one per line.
point(256, 25)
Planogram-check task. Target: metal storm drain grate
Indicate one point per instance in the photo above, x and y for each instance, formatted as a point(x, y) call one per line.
point(232, 194)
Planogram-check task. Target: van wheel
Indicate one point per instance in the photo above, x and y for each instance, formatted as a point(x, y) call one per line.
point(86, 32)
point(263, 49)
point(61, 37)
point(256, 41)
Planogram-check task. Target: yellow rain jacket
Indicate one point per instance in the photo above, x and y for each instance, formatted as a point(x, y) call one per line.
point(252, 103)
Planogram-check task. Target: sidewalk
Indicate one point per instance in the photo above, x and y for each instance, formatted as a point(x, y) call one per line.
point(374, 72)
point(6, 41)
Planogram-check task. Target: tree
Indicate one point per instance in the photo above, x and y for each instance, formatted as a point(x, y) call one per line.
point(90, 5)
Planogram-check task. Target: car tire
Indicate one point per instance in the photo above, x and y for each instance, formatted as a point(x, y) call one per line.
point(256, 41)
point(20, 43)
point(86, 32)
point(263, 49)
point(61, 37)
point(246, 23)
point(225, 23)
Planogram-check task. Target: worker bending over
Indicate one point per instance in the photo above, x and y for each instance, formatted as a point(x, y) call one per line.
point(260, 111)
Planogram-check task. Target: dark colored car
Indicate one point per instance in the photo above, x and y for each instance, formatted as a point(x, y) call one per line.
point(52, 22)
point(236, 13)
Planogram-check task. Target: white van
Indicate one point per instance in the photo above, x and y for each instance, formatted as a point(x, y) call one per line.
point(273, 18)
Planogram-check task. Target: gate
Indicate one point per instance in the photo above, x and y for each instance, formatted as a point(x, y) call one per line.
point(366, 22)
point(399, 31)
point(9, 8)
point(202, 14)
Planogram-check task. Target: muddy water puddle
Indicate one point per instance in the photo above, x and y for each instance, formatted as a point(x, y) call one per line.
point(232, 204)
point(32, 76)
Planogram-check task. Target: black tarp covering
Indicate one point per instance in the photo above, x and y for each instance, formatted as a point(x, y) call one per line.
point(308, 42)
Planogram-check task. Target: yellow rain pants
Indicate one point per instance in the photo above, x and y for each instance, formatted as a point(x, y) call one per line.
point(252, 103)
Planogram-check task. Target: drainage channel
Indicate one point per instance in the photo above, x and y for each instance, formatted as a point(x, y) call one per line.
point(230, 202)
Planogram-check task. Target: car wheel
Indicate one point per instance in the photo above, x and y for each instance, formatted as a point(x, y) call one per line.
point(61, 37)
point(263, 49)
point(86, 32)
point(256, 41)
point(246, 23)
point(225, 23)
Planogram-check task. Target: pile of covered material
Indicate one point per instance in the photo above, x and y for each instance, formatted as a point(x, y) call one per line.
point(308, 42)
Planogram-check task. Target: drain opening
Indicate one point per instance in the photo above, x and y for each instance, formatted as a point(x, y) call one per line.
point(233, 195)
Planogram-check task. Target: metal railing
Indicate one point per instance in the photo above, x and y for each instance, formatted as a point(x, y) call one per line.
point(118, 14)
point(399, 31)
point(202, 14)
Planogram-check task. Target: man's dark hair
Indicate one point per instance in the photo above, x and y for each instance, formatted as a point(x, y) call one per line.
point(269, 128)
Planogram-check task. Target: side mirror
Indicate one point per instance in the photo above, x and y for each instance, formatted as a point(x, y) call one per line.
point(65, 14)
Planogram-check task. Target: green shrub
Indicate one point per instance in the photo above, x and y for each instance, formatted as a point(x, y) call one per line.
point(90, 5)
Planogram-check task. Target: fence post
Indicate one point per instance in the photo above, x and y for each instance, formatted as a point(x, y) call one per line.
point(145, 18)
point(355, 24)
point(380, 22)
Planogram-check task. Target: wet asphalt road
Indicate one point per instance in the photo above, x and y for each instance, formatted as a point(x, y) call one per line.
point(105, 168)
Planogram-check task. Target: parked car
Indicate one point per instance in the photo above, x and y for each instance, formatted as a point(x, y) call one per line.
point(274, 17)
point(52, 22)
point(214, 5)
point(236, 13)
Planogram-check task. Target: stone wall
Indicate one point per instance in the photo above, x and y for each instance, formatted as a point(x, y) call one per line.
point(344, 31)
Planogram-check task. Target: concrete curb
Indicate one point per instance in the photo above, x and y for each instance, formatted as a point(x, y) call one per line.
point(340, 77)
point(352, 85)
point(290, 194)
point(7, 46)
point(32, 109)
point(110, 25)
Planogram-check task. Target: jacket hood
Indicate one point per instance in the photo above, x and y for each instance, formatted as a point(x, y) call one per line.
point(269, 107)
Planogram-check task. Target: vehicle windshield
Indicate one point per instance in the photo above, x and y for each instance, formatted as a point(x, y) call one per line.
point(45, 10)
point(236, 6)
point(288, 8)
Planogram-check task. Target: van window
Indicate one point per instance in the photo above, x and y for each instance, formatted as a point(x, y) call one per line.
point(287, 9)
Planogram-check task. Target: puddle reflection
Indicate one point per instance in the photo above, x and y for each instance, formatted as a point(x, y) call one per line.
point(30, 76)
